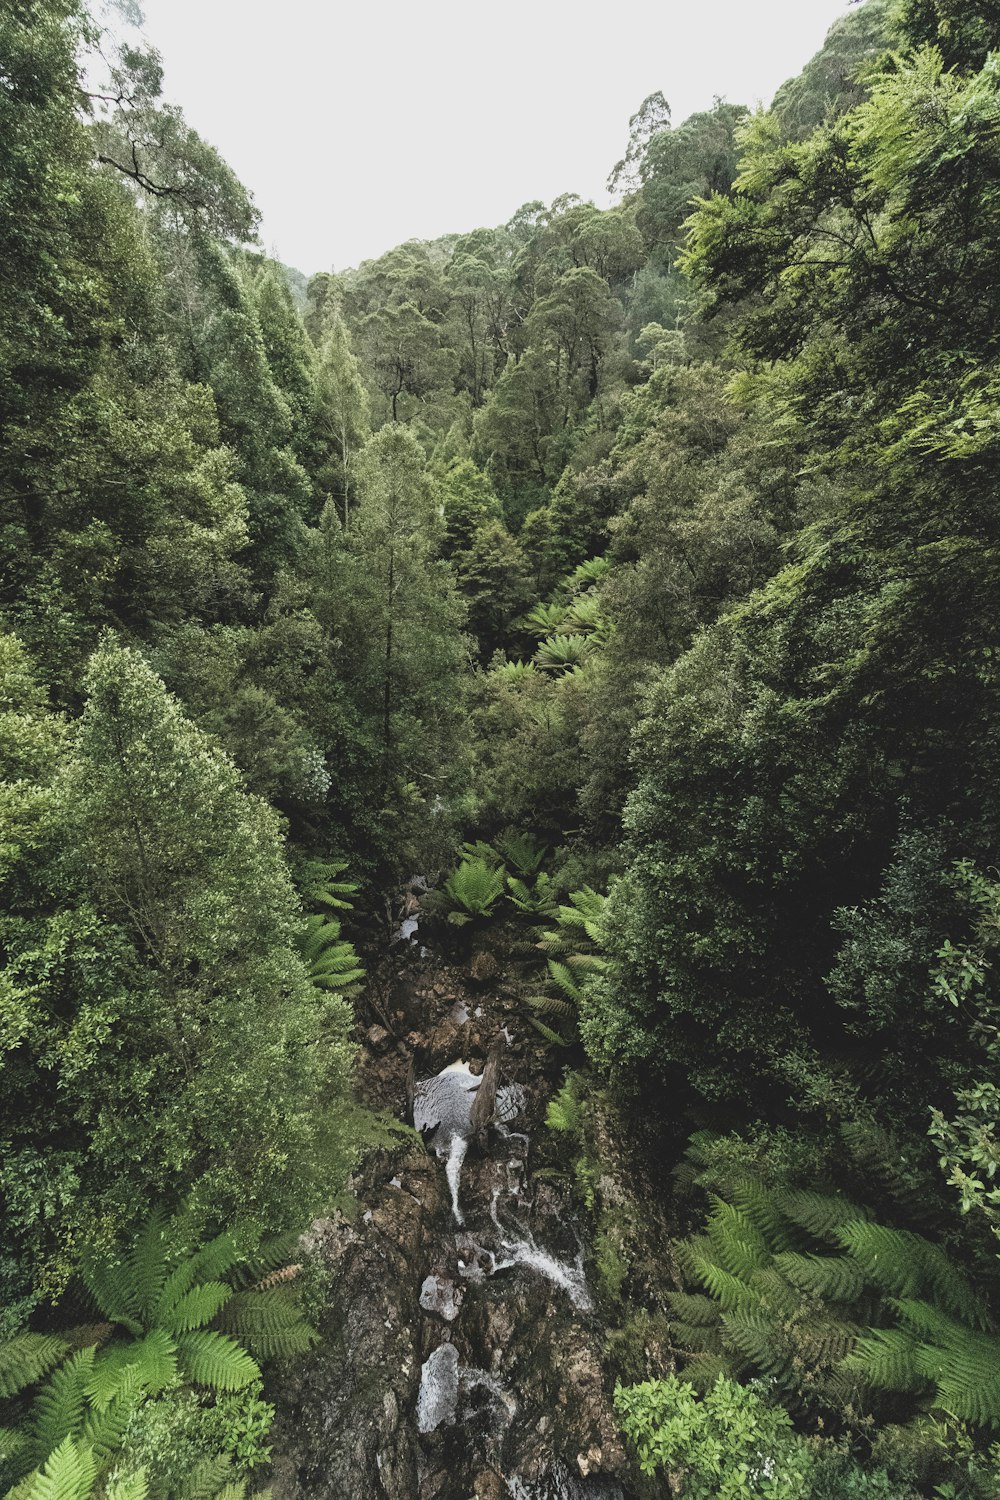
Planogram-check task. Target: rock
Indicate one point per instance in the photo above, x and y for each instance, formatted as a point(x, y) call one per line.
point(440, 1295)
point(437, 1400)
point(490, 1486)
point(377, 1038)
point(483, 967)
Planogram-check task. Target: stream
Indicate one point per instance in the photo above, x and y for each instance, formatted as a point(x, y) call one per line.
point(462, 1357)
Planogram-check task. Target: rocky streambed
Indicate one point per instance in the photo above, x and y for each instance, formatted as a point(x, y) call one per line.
point(462, 1355)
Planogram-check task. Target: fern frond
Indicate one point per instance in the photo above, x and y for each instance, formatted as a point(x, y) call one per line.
point(693, 1308)
point(211, 1263)
point(550, 1005)
point(58, 1409)
point(269, 1322)
point(128, 1487)
point(197, 1307)
point(148, 1265)
point(822, 1214)
point(152, 1359)
point(207, 1477)
point(520, 851)
point(548, 1034)
point(738, 1244)
point(112, 1289)
point(103, 1430)
point(835, 1277)
point(68, 1473)
point(761, 1207)
point(214, 1359)
point(562, 975)
point(886, 1358)
point(750, 1333)
point(272, 1254)
point(703, 1370)
point(27, 1358)
point(728, 1290)
point(695, 1338)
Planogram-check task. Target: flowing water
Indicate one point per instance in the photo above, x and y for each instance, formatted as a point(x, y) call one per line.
point(469, 1361)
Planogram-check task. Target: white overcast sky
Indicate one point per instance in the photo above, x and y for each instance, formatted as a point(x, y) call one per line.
point(357, 126)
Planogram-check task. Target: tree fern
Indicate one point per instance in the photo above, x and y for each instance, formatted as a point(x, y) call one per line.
point(822, 1214)
point(563, 653)
point(471, 891)
point(543, 619)
point(907, 1265)
point(835, 1277)
point(886, 1358)
point(60, 1405)
point(521, 853)
point(588, 573)
point(26, 1358)
point(216, 1360)
point(533, 900)
point(269, 1322)
point(68, 1473)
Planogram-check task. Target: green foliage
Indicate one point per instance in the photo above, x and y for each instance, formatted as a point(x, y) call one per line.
point(729, 1444)
point(471, 892)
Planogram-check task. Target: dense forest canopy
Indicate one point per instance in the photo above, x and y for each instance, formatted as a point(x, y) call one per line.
point(662, 535)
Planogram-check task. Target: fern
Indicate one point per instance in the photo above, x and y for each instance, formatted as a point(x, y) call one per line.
point(269, 1322)
point(886, 1358)
point(586, 574)
point(471, 891)
point(322, 884)
point(68, 1473)
point(59, 1406)
point(533, 901)
point(521, 853)
point(216, 1360)
point(27, 1358)
point(831, 1276)
point(543, 619)
point(587, 616)
point(551, 1005)
point(152, 1360)
point(331, 959)
point(907, 1265)
point(564, 653)
point(208, 1478)
point(127, 1487)
point(513, 671)
point(692, 1308)
point(547, 1034)
point(822, 1214)
point(738, 1245)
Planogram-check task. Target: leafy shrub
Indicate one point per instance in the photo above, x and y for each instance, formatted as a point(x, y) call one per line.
point(728, 1445)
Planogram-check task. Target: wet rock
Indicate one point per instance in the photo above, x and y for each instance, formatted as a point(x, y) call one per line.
point(440, 1295)
point(437, 1401)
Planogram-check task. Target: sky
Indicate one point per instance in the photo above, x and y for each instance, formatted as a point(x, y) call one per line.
point(357, 126)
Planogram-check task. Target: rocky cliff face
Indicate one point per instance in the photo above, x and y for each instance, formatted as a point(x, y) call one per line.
point(463, 1355)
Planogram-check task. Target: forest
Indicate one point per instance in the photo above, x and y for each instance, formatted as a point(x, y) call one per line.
point(633, 574)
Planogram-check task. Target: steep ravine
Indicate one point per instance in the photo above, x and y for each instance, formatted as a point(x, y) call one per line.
point(459, 1359)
